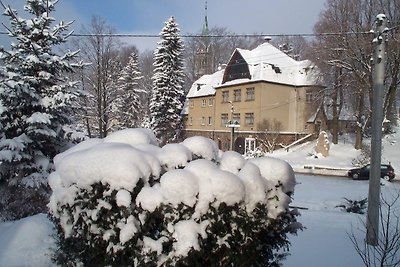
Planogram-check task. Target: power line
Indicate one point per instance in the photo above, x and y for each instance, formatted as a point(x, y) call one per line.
point(258, 35)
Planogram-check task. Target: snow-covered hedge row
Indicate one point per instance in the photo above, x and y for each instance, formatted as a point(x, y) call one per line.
point(123, 200)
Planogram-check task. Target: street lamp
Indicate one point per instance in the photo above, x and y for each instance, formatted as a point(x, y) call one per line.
point(232, 124)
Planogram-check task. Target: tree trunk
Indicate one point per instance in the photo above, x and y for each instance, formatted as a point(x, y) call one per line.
point(360, 122)
point(390, 111)
point(335, 112)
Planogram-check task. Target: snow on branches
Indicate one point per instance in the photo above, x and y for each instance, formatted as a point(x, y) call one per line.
point(35, 96)
point(35, 104)
point(168, 95)
point(126, 200)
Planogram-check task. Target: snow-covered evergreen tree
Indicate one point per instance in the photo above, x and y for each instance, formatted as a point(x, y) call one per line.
point(108, 103)
point(129, 99)
point(35, 97)
point(168, 95)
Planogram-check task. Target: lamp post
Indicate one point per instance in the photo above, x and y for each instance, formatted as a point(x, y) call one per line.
point(232, 124)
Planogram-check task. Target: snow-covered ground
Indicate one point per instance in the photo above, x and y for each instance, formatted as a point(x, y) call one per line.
point(324, 242)
point(27, 242)
point(341, 155)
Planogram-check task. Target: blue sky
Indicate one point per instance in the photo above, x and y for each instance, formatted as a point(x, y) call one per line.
point(148, 16)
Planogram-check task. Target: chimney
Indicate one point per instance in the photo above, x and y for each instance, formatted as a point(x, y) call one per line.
point(267, 39)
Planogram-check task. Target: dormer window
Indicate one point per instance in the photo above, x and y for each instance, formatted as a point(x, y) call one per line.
point(277, 69)
point(237, 68)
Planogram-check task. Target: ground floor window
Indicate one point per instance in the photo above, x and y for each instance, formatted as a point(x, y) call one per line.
point(224, 119)
point(203, 120)
point(249, 117)
point(236, 117)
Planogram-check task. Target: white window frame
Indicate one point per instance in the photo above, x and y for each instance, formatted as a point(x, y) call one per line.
point(249, 145)
point(225, 96)
point(210, 120)
point(249, 117)
point(237, 95)
point(248, 90)
point(224, 119)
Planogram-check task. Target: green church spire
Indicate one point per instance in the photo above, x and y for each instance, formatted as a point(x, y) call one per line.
point(205, 26)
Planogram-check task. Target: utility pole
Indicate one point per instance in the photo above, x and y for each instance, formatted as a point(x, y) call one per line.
point(378, 75)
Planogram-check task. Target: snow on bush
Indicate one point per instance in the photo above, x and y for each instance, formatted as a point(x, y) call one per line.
point(123, 200)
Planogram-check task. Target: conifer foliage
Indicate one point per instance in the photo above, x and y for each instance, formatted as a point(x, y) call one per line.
point(168, 95)
point(35, 101)
point(130, 101)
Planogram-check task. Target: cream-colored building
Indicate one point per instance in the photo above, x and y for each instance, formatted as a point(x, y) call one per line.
point(263, 90)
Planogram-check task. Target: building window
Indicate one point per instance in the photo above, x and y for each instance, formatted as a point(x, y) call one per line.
point(203, 120)
point(190, 120)
point(224, 119)
point(237, 95)
point(191, 103)
point(211, 102)
point(249, 119)
point(250, 94)
point(236, 117)
point(203, 102)
point(225, 96)
point(209, 120)
point(309, 97)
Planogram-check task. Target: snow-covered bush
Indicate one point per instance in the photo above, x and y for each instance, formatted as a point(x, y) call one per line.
point(364, 157)
point(354, 206)
point(123, 200)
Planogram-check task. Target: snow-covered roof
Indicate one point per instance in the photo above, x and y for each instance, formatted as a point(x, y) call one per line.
point(314, 116)
point(346, 114)
point(268, 63)
point(265, 63)
point(206, 84)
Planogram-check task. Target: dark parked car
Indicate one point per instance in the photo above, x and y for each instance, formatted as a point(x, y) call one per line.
point(387, 172)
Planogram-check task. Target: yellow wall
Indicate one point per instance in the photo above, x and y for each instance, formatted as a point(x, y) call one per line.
point(197, 111)
point(286, 104)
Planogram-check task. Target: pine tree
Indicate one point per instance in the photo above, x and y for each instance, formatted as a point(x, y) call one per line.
point(109, 96)
point(35, 98)
point(168, 95)
point(129, 98)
